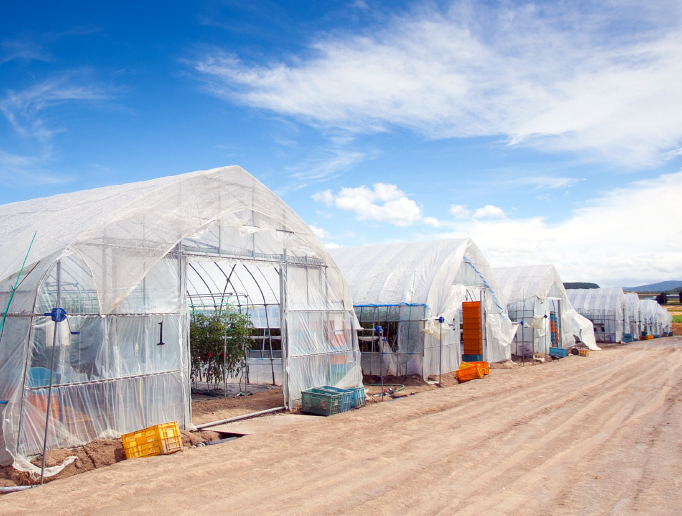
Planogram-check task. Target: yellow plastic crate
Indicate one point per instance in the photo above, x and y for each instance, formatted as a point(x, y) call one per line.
point(584, 352)
point(156, 440)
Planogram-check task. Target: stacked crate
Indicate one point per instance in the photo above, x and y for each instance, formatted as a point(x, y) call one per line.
point(472, 335)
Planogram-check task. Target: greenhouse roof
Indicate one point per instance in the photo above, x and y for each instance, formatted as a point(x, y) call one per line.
point(144, 221)
point(519, 283)
point(599, 299)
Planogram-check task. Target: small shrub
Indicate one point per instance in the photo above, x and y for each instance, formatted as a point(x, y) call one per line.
point(219, 345)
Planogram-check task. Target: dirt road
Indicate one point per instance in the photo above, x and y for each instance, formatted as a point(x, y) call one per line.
point(595, 435)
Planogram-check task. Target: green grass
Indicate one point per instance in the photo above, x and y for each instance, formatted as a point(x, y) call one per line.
point(677, 318)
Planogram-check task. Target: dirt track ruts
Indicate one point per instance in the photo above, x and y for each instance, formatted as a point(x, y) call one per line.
point(591, 435)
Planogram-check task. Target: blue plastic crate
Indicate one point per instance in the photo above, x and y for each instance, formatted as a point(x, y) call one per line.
point(657, 336)
point(627, 337)
point(472, 358)
point(359, 397)
point(558, 352)
point(348, 400)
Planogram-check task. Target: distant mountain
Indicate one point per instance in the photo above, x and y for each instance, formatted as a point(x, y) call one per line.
point(578, 284)
point(663, 286)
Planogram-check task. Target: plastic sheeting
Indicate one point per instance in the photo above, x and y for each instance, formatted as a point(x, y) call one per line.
point(532, 293)
point(121, 362)
point(438, 275)
point(654, 318)
point(634, 318)
point(605, 307)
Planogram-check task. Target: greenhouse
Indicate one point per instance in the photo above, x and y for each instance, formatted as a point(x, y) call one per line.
point(656, 320)
point(99, 313)
point(633, 327)
point(434, 301)
point(537, 300)
point(666, 322)
point(605, 307)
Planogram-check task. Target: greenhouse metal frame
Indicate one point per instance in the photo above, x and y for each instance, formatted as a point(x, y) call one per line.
point(117, 259)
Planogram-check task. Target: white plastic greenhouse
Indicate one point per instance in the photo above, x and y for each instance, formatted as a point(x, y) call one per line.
point(405, 287)
point(537, 300)
point(634, 325)
point(666, 321)
point(605, 307)
point(127, 263)
point(656, 320)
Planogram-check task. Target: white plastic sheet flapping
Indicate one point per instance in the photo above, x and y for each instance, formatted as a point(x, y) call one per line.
point(532, 286)
point(429, 273)
point(124, 253)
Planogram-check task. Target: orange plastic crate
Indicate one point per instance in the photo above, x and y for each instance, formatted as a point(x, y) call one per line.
point(483, 365)
point(584, 352)
point(156, 440)
point(469, 373)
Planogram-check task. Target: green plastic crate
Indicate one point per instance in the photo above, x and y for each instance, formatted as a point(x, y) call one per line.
point(319, 401)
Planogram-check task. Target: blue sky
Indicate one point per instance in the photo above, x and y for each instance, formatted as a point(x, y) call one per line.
point(548, 132)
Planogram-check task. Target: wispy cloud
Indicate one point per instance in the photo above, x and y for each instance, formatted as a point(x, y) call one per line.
point(23, 109)
point(543, 182)
point(599, 80)
point(18, 50)
point(325, 165)
point(17, 169)
point(626, 236)
point(26, 112)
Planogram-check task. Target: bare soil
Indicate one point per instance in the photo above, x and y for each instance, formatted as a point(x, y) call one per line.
point(206, 411)
point(580, 435)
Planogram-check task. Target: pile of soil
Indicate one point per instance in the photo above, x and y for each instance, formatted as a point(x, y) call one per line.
point(94, 455)
point(206, 411)
point(408, 381)
point(413, 385)
point(190, 439)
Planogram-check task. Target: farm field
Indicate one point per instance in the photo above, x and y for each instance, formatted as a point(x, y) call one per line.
point(583, 435)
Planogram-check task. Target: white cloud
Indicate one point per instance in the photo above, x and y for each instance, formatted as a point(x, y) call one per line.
point(431, 221)
point(630, 235)
point(598, 79)
point(490, 212)
point(459, 211)
point(325, 196)
point(332, 245)
point(319, 232)
point(383, 202)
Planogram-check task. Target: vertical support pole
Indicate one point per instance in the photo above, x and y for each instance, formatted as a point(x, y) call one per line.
point(284, 328)
point(56, 340)
point(440, 361)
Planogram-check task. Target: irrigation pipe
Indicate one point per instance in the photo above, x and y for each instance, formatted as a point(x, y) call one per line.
point(239, 418)
point(14, 489)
